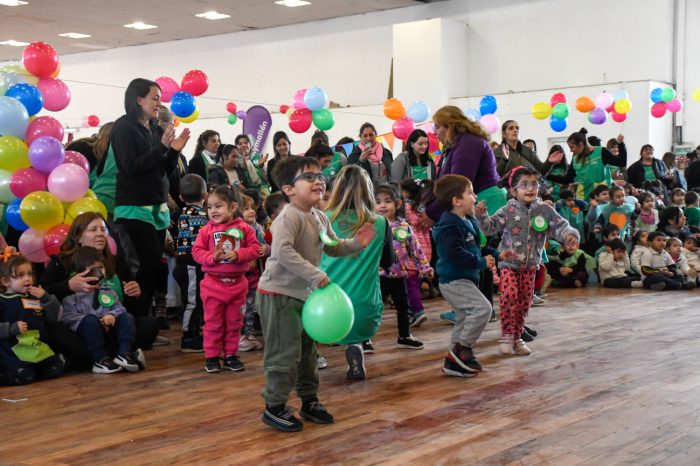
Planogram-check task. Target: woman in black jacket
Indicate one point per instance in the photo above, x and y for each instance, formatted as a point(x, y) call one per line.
point(229, 168)
point(146, 155)
point(647, 168)
point(204, 153)
point(372, 156)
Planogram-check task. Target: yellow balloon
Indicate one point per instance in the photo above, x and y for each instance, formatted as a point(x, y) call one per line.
point(20, 70)
point(86, 204)
point(192, 117)
point(41, 210)
point(14, 154)
point(91, 194)
point(623, 106)
point(696, 95)
point(541, 110)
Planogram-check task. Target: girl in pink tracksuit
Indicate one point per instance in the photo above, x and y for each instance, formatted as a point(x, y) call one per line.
point(224, 248)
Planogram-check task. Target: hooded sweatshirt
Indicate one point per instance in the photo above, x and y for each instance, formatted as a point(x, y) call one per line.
point(459, 255)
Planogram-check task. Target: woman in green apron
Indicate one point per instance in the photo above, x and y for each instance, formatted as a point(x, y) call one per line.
point(415, 162)
point(255, 163)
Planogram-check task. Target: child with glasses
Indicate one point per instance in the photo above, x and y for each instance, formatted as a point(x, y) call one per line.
point(524, 223)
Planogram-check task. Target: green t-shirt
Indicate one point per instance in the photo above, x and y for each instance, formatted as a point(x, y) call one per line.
point(156, 215)
point(649, 174)
point(336, 164)
point(105, 185)
point(693, 216)
point(419, 172)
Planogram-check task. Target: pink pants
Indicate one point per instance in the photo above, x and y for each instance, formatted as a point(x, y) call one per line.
point(223, 318)
point(517, 287)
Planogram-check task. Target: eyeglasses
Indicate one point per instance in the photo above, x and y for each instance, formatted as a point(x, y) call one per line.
point(528, 185)
point(310, 177)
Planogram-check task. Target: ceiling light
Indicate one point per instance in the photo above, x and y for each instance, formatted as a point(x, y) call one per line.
point(212, 15)
point(12, 2)
point(14, 43)
point(75, 35)
point(293, 3)
point(140, 25)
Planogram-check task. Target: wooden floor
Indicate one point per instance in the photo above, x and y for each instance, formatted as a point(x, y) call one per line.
point(614, 378)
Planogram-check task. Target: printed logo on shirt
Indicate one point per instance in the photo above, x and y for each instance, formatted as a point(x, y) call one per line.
point(227, 243)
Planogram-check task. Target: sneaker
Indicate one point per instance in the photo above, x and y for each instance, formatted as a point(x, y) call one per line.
point(525, 336)
point(520, 348)
point(578, 283)
point(140, 358)
point(418, 319)
point(249, 343)
point(192, 345)
point(536, 300)
point(314, 411)
point(321, 361)
point(637, 284)
point(453, 369)
point(367, 347)
point(529, 330)
point(448, 317)
point(105, 366)
point(281, 418)
point(689, 285)
point(356, 362)
point(161, 341)
point(409, 343)
point(464, 357)
point(493, 317)
point(127, 362)
point(505, 346)
point(212, 365)
point(540, 293)
point(658, 286)
point(233, 363)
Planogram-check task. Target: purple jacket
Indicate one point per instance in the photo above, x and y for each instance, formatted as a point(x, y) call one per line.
point(469, 156)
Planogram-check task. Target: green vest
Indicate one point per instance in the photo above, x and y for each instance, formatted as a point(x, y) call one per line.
point(591, 173)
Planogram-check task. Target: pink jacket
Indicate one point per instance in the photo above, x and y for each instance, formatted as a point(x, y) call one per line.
point(212, 234)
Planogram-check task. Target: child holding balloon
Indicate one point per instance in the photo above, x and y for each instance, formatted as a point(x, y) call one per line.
point(301, 232)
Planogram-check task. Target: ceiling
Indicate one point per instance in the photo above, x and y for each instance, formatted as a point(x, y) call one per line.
point(43, 20)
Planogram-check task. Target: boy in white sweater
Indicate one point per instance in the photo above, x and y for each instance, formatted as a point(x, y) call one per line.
point(613, 265)
point(690, 251)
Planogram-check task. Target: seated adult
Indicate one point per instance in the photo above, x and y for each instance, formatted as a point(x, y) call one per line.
point(647, 168)
point(372, 156)
point(90, 229)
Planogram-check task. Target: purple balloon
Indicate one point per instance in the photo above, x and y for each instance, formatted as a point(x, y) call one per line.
point(598, 116)
point(46, 153)
point(241, 114)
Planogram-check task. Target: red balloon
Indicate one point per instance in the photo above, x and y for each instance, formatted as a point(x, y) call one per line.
point(76, 158)
point(168, 87)
point(231, 107)
point(658, 109)
point(619, 117)
point(40, 59)
point(44, 126)
point(610, 109)
point(195, 82)
point(558, 98)
point(54, 238)
point(93, 120)
point(300, 120)
point(283, 109)
point(433, 142)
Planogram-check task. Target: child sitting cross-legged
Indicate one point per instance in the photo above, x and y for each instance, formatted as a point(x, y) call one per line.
point(570, 268)
point(614, 266)
point(674, 248)
point(658, 268)
point(690, 251)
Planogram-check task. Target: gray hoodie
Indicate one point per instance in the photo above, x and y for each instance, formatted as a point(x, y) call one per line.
point(515, 222)
point(78, 305)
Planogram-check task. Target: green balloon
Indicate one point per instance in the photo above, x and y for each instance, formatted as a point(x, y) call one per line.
point(560, 111)
point(328, 314)
point(323, 119)
point(668, 94)
point(232, 119)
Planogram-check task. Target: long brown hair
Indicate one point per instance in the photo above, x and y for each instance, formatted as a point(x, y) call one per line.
point(457, 123)
point(71, 243)
point(202, 140)
point(99, 147)
point(353, 190)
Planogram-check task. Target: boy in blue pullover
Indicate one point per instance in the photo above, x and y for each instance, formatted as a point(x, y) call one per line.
point(459, 266)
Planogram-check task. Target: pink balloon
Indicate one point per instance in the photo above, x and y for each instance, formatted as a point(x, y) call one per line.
point(403, 127)
point(55, 92)
point(25, 181)
point(298, 99)
point(604, 100)
point(658, 109)
point(619, 117)
point(44, 126)
point(31, 245)
point(76, 158)
point(168, 87)
point(300, 120)
point(112, 245)
point(68, 182)
point(491, 123)
point(674, 105)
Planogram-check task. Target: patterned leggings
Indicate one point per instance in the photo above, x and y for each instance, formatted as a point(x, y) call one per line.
point(517, 287)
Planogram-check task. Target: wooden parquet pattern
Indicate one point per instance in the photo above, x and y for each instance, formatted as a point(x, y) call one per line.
point(614, 378)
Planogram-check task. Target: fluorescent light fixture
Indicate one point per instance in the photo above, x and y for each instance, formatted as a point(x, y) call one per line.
point(14, 43)
point(12, 2)
point(213, 15)
point(75, 35)
point(293, 3)
point(140, 25)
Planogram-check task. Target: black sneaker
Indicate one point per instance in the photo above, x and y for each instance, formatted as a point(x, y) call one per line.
point(529, 330)
point(314, 411)
point(453, 369)
point(526, 336)
point(281, 418)
point(356, 362)
point(367, 347)
point(418, 319)
point(212, 365)
point(192, 345)
point(658, 286)
point(464, 356)
point(409, 343)
point(233, 363)
point(105, 366)
point(140, 358)
point(127, 362)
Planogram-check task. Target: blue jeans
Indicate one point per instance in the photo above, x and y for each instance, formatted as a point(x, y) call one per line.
point(96, 337)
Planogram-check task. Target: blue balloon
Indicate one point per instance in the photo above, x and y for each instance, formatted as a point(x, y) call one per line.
point(14, 118)
point(29, 95)
point(473, 114)
point(315, 98)
point(488, 105)
point(418, 111)
point(621, 94)
point(183, 104)
point(557, 124)
point(13, 217)
point(655, 95)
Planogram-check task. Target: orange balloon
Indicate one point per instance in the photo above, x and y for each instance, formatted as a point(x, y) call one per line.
point(394, 109)
point(58, 70)
point(176, 122)
point(584, 104)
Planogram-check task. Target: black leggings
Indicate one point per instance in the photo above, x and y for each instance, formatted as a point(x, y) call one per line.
point(396, 288)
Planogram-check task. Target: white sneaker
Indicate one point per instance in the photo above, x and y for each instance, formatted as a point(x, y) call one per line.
point(505, 345)
point(637, 284)
point(536, 300)
point(161, 341)
point(520, 348)
point(322, 362)
point(249, 343)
